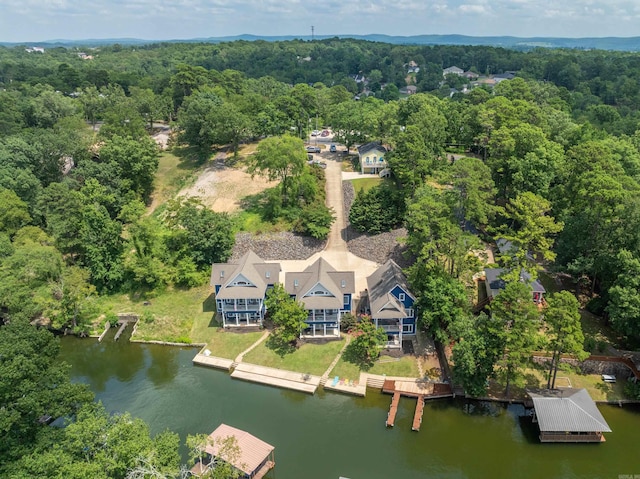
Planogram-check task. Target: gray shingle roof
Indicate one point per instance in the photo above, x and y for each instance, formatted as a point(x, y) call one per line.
point(383, 305)
point(323, 274)
point(567, 410)
point(374, 145)
point(253, 268)
point(494, 283)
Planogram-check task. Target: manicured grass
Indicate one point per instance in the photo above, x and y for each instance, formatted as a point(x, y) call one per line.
point(405, 367)
point(365, 183)
point(174, 312)
point(568, 377)
point(309, 358)
point(345, 370)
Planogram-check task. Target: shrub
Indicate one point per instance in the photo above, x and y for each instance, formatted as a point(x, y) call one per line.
point(632, 389)
point(315, 220)
point(589, 343)
point(111, 318)
point(148, 317)
point(348, 322)
point(596, 306)
point(378, 210)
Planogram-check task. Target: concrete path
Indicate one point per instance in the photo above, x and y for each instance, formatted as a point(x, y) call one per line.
point(276, 377)
point(241, 356)
point(337, 358)
point(335, 252)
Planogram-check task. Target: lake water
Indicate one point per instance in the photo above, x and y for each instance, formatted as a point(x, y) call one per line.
point(330, 435)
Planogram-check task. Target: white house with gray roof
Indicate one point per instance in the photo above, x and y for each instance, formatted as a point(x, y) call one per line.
point(391, 303)
point(240, 289)
point(372, 158)
point(326, 295)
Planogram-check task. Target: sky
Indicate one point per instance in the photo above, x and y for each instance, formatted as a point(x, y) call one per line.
point(41, 20)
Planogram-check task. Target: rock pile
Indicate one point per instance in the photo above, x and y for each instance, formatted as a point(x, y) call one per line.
point(378, 248)
point(274, 246)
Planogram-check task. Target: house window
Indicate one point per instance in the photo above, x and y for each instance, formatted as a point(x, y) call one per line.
point(407, 328)
point(295, 283)
point(241, 283)
point(222, 273)
point(401, 297)
point(410, 312)
point(343, 283)
point(345, 299)
point(267, 274)
point(228, 301)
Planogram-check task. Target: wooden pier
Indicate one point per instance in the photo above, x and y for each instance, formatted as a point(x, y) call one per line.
point(417, 417)
point(416, 389)
point(393, 410)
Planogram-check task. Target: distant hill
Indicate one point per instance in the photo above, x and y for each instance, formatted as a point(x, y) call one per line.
point(600, 43)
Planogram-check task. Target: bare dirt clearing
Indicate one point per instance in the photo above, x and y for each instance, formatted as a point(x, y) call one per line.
point(221, 187)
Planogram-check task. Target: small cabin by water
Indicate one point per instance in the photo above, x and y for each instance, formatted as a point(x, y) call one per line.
point(568, 415)
point(255, 456)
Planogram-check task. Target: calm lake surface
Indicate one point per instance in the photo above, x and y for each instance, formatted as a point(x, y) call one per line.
point(330, 435)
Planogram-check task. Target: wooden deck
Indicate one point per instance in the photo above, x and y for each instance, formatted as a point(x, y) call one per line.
point(417, 389)
point(263, 470)
point(417, 417)
point(393, 410)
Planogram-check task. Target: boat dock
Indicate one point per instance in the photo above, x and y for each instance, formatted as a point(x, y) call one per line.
point(416, 389)
point(393, 409)
point(417, 416)
point(123, 325)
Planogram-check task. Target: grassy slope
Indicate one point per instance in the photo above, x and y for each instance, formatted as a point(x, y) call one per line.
point(365, 183)
point(309, 358)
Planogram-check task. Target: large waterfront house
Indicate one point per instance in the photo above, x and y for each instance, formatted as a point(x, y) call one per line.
point(250, 456)
point(372, 158)
point(326, 295)
point(494, 284)
point(391, 303)
point(568, 415)
point(240, 289)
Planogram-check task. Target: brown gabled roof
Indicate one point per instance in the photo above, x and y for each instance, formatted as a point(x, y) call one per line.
point(320, 274)
point(383, 304)
point(253, 268)
point(253, 451)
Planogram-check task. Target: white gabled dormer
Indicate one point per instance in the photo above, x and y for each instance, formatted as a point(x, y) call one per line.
point(318, 290)
point(241, 280)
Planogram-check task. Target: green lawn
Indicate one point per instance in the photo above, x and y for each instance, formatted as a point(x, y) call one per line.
point(309, 358)
point(172, 175)
point(365, 183)
point(405, 366)
point(174, 312)
point(568, 377)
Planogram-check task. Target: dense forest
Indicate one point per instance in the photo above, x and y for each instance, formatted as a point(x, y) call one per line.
point(553, 166)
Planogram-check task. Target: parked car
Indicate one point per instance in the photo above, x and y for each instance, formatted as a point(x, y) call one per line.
point(318, 163)
point(325, 133)
point(313, 149)
point(333, 148)
point(315, 132)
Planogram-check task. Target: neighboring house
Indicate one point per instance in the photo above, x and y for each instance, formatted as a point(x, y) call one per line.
point(494, 284)
point(452, 71)
point(372, 157)
point(470, 75)
point(504, 76)
point(34, 50)
point(412, 67)
point(326, 295)
point(241, 287)
point(391, 303)
point(408, 90)
point(359, 78)
point(251, 456)
point(568, 415)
